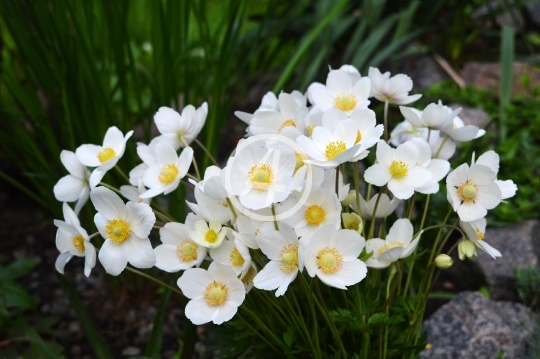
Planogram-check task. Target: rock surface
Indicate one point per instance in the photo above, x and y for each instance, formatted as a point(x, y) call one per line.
point(472, 326)
point(520, 246)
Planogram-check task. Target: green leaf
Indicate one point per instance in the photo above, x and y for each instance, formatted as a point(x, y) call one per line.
point(49, 350)
point(17, 269)
point(16, 296)
point(288, 337)
point(97, 343)
point(384, 319)
point(153, 348)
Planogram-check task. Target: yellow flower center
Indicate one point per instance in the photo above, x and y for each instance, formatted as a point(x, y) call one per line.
point(289, 258)
point(358, 137)
point(106, 154)
point(168, 174)
point(334, 149)
point(211, 236)
point(78, 242)
point(329, 260)
point(390, 245)
point(479, 234)
point(399, 169)
point(261, 176)
point(236, 258)
point(289, 122)
point(467, 192)
point(345, 102)
point(187, 250)
point(314, 214)
point(310, 129)
point(117, 230)
point(215, 293)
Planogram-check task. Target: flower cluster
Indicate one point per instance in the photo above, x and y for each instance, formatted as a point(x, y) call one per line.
point(284, 201)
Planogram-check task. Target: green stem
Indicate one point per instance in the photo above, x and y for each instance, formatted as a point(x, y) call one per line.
point(203, 147)
point(121, 173)
point(110, 187)
point(357, 189)
point(147, 276)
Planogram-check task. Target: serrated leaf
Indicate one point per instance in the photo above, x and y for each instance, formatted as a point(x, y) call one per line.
point(384, 319)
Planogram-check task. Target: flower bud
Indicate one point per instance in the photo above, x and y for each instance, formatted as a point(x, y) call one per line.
point(350, 198)
point(443, 261)
point(466, 248)
point(352, 221)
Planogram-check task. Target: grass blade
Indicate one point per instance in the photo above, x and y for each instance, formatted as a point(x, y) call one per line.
point(507, 59)
point(153, 348)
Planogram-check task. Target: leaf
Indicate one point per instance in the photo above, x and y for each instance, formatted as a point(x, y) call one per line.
point(288, 337)
point(99, 347)
point(16, 296)
point(50, 350)
point(17, 269)
point(384, 319)
point(153, 348)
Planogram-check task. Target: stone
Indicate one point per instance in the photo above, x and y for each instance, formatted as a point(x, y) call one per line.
point(473, 326)
point(486, 75)
point(131, 351)
point(532, 10)
point(475, 117)
point(423, 70)
point(518, 248)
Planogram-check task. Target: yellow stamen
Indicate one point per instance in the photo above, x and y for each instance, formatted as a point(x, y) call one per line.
point(299, 161)
point(78, 242)
point(358, 137)
point(289, 122)
point(106, 154)
point(168, 174)
point(345, 102)
point(211, 236)
point(216, 293)
point(314, 214)
point(390, 245)
point(261, 176)
point(187, 250)
point(479, 234)
point(334, 149)
point(117, 230)
point(329, 260)
point(289, 258)
point(467, 192)
point(399, 169)
point(310, 129)
point(236, 258)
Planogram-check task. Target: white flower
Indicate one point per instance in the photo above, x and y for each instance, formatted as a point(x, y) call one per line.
point(385, 207)
point(281, 247)
point(132, 193)
point(438, 168)
point(393, 89)
point(289, 116)
point(475, 231)
point(211, 209)
point(125, 228)
point(208, 236)
point(403, 132)
point(247, 280)
point(180, 130)
point(398, 244)
point(329, 183)
point(340, 92)
point(211, 184)
point(330, 148)
point(399, 169)
point(472, 191)
point(434, 116)
point(320, 208)
point(332, 256)
point(491, 159)
point(258, 175)
point(248, 229)
point(234, 254)
point(103, 157)
point(72, 240)
point(74, 186)
point(178, 251)
point(215, 294)
point(268, 102)
point(165, 175)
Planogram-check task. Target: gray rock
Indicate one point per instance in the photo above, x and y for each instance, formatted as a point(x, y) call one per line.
point(423, 70)
point(533, 10)
point(517, 246)
point(131, 351)
point(472, 326)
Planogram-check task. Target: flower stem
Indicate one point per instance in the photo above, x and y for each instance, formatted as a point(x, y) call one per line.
point(121, 173)
point(203, 147)
point(386, 120)
point(147, 276)
point(110, 187)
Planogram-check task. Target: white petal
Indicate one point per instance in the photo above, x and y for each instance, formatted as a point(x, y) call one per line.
point(199, 312)
point(68, 188)
point(88, 155)
point(193, 282)
point(108, 204)
point(113, 258)
point(72, 164)
point(141, 218)
point(61, 261)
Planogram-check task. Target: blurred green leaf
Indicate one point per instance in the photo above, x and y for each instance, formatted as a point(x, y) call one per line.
point(153, 348)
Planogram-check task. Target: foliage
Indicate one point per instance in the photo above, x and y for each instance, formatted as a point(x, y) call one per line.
point(19, 334)
point(520, 155)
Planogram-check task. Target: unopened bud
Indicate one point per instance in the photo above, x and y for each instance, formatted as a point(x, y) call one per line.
point(443, 261)
point(351, 197)
point(352, 221)
point(466, 248)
